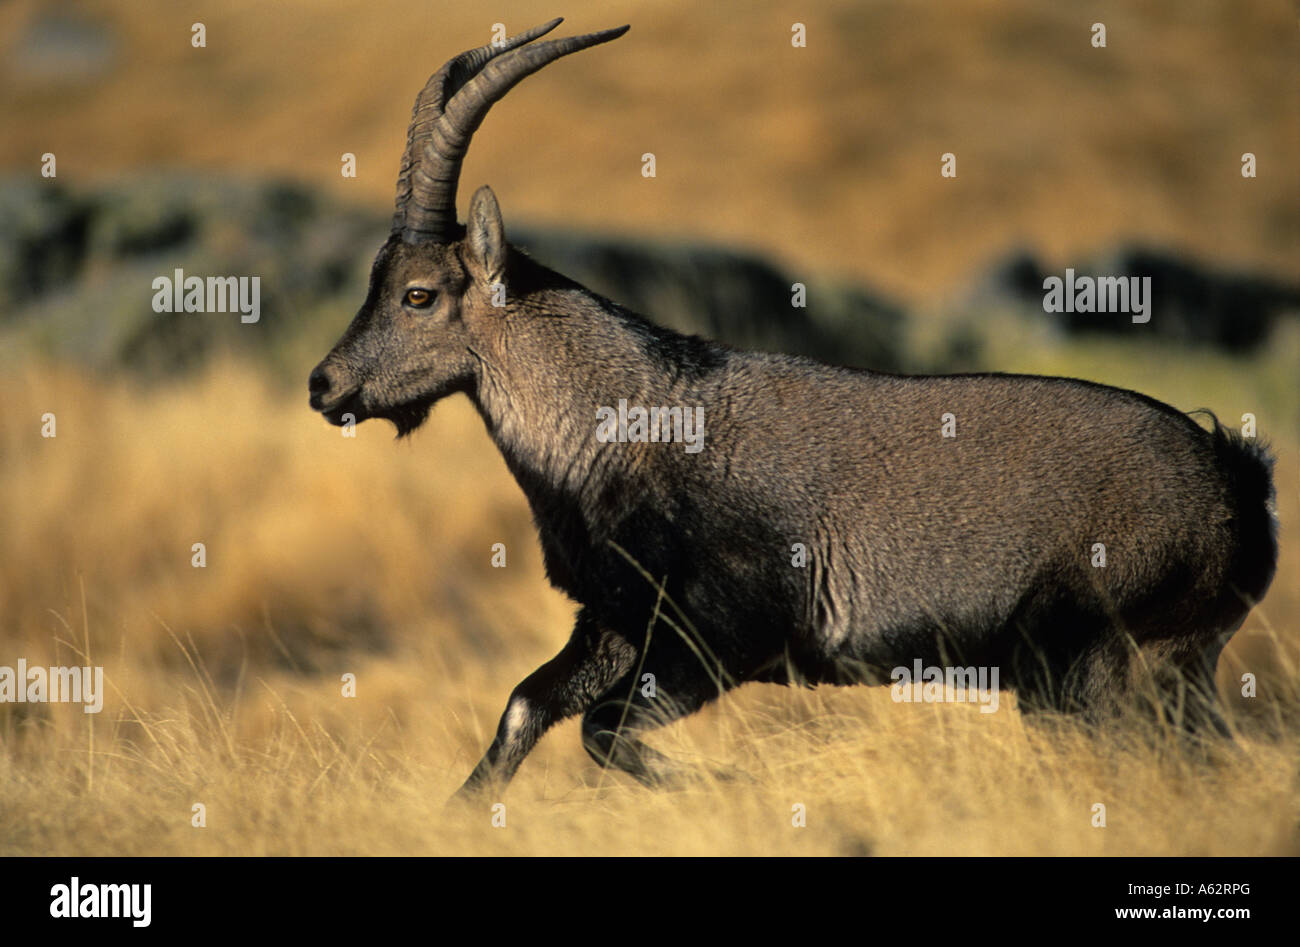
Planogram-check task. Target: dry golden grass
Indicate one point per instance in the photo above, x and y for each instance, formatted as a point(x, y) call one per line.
point(328, 555)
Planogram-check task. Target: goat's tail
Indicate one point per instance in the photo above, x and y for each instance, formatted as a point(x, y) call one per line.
point(1247, 465)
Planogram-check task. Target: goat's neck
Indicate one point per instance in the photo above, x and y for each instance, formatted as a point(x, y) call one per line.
point(560, 357)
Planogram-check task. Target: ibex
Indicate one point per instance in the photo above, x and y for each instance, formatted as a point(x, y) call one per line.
point(1086, 540)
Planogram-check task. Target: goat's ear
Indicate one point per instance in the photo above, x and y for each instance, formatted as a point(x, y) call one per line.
point(486, 238)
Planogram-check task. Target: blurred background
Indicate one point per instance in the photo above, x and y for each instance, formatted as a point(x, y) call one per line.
point(774, 165)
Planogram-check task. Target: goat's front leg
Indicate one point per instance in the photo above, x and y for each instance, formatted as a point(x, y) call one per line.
point(566, 685)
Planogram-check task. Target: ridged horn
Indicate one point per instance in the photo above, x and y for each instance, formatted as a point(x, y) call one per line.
point(449, 110)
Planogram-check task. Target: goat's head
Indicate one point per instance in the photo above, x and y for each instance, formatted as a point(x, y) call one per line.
point(433, 284)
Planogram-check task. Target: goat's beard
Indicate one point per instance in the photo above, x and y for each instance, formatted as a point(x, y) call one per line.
point(408, 416)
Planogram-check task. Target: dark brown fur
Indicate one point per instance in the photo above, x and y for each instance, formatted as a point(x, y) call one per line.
point(967, 550)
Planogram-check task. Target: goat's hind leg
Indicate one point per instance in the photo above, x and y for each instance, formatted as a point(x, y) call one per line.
point(1188, 694)
point(1163, 680)
point(1093, 684)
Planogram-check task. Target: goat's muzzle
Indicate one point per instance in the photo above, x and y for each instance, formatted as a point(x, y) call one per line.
point(332, 394)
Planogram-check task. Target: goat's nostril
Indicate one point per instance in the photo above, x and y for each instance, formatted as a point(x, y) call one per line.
point(319, 382)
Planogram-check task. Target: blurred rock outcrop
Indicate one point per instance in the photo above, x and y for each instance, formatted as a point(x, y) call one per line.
point(76, 274)
point(1191, 301)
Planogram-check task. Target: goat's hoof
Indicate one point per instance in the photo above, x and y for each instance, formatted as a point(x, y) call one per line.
point(468, 796)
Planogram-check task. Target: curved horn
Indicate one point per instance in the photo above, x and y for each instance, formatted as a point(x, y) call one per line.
point(440, 88)
point(428, 213)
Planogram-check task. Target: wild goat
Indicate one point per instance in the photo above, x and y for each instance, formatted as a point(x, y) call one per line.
point(975, 549)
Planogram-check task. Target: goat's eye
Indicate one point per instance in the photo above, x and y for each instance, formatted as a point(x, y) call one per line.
point(418, 298)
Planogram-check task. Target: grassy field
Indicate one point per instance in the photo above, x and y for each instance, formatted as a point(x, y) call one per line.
point(329, 556)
